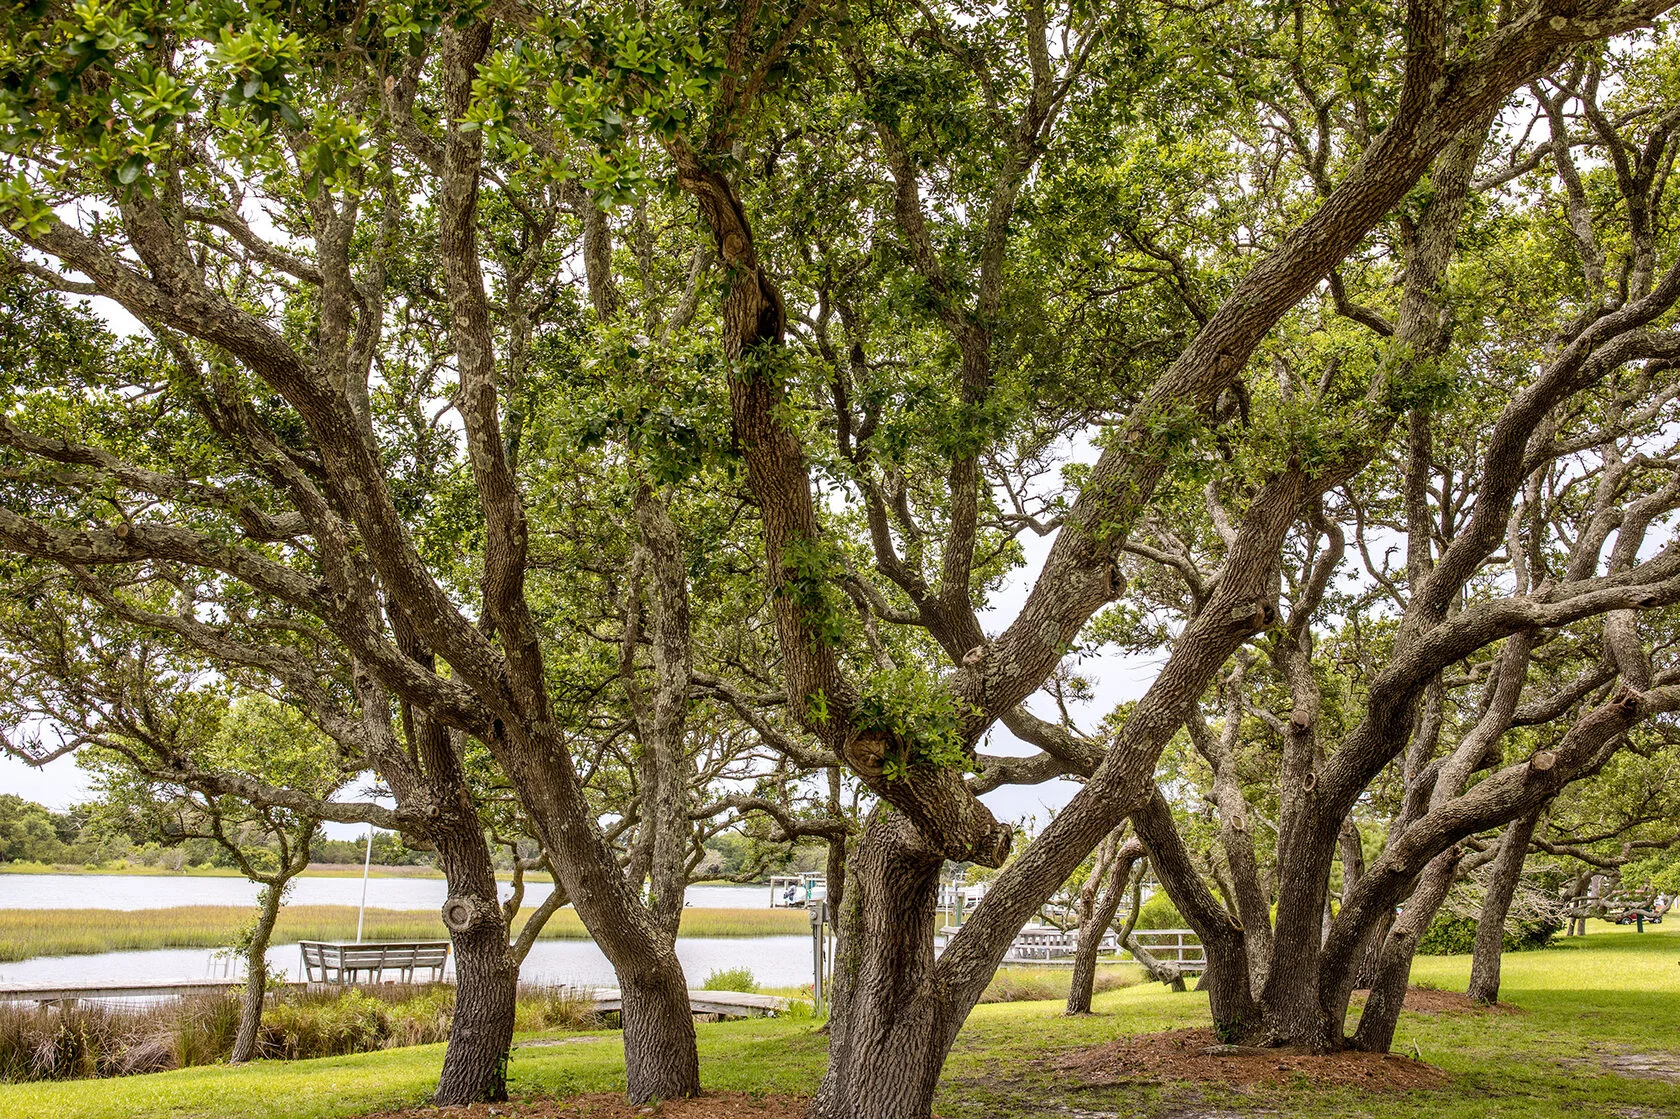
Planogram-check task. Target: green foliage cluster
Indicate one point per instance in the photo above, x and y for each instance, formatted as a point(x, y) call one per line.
point(920, 720)
point(812, 569)
point(1450, 934)
point(84, 837)
point(730, 979)
point(1158, 912)
point(30, 832)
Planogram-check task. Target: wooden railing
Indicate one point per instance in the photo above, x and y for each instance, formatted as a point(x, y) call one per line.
point(1174, 946)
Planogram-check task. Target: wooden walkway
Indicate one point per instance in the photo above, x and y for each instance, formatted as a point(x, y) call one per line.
point(739, 1004)
point(61, 994)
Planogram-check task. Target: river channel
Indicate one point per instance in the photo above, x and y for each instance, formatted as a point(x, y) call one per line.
point(776, 961)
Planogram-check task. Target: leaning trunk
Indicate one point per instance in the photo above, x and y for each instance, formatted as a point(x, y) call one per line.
point(1230, 995)
point(1394, 964)
point(256, 974)
point(1091, 930)
point(1490, 928)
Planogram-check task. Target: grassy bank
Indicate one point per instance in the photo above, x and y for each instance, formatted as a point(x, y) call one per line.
point(106, 1039)
point(1579, 1005)
point(316, 870)
point(25, 933)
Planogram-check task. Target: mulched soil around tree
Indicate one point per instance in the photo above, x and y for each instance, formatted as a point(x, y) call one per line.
point(1179, 1055)
point(610, 1105)
point(1428, 1000)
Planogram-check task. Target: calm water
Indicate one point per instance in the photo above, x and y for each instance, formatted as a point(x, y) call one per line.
point(132, 891)
point(776, 961)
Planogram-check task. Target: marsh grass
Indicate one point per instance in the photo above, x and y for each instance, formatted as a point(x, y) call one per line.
point(543, 1007)
point(25, 933)
point(731, 979)
point(1027, 984)
point(94, 1040)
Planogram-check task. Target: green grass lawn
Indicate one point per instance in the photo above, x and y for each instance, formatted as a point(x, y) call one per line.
point(1608, 994)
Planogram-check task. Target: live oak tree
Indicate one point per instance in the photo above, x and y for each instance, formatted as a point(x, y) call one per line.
point(147, 723)
point(953, 119)
point(1543, 482)
point(279, 450)
point(973, 239)
point(147, 690)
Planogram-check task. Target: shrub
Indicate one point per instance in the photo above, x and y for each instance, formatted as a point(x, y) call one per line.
point(1158, 912)
point(543, 1007)
point(731, 979)
point(324, 1026)
point(1453, 935)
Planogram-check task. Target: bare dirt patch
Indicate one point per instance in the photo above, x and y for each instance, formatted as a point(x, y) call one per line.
point(610, 1105)
point(1645, 1066)
point(1178, 1055)
point(1428, 1000)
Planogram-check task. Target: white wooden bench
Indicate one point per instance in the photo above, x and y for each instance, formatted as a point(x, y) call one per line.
point(330, 962)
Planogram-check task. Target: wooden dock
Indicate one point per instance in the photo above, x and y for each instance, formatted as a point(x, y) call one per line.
point(736, 1004)
point(61, 995)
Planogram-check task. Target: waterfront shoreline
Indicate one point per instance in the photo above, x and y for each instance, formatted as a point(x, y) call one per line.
point(31, 933)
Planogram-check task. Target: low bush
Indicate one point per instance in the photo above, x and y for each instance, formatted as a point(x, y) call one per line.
point(1454, 935)
point(731, 979)
point(1158, 912)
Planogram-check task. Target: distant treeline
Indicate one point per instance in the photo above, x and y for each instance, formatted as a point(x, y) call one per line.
point(33, 833)
point(83, 836)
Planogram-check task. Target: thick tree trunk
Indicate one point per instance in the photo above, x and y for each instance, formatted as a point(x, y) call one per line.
point(486, 989)
point(486, 974)
point(1093, 925)
point(1394, 965)
point(890, 1027)
point(1490, 928)
point(256, 973)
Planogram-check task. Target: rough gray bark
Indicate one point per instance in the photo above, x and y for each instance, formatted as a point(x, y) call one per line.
point(1501, 888)
point(1095, 918)
point(888, 1028)
point(486, 973)
point(1226, 978)
point(1388, 989)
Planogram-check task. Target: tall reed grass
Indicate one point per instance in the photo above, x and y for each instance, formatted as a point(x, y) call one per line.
point(1028, 984)
point(25, 933)
point(103, 1039)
